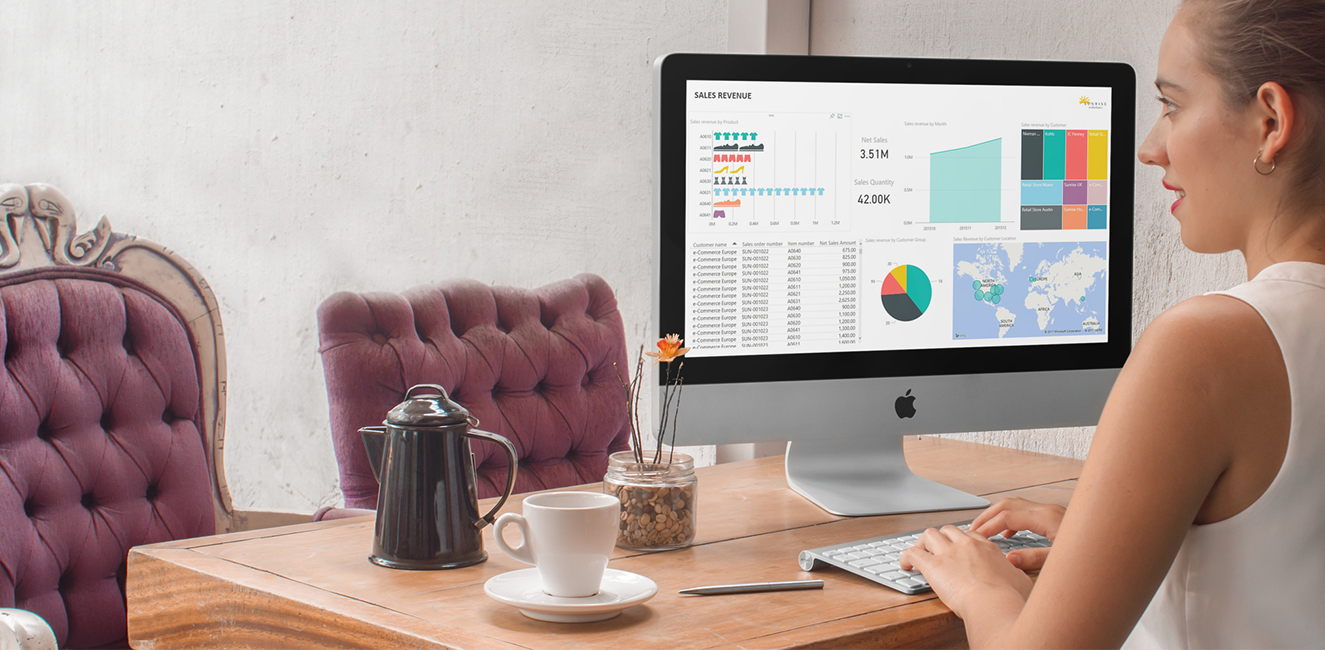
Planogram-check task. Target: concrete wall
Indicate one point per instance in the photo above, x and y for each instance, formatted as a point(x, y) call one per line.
point(291, 149)
point(1117, 30)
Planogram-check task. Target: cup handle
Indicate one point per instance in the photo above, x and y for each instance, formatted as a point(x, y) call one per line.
point(520, 552)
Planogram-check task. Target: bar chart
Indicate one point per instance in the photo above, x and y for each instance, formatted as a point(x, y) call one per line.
point(1064, 179)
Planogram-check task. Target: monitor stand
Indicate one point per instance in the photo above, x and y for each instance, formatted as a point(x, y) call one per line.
point(854, 478)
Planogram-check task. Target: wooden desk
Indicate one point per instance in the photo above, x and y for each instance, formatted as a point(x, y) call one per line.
point(311, 585)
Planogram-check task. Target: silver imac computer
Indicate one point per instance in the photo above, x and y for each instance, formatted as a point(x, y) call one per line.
point(856, 249)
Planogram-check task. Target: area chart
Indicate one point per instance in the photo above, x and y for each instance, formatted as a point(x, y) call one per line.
point(965, 184)
point(906, 293)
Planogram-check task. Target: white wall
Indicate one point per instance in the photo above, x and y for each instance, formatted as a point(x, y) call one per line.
point(293, 148)
point(1114, 30)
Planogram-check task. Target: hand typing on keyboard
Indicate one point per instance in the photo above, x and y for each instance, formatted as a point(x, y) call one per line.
point(881, 558)
point(956, 561)
point(1008, 516)
point(960, 564)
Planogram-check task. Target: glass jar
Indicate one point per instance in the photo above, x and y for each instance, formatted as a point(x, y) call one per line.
point(658, 500)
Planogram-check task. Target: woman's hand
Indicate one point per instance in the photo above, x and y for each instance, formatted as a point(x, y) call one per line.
point(1012, 515)
point(965, 568)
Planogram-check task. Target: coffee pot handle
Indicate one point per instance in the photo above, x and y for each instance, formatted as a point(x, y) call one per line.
point(510, 475)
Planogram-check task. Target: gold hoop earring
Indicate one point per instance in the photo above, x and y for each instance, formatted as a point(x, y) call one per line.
point(1256, 164)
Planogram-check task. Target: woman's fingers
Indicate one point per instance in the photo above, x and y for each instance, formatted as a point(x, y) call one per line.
point(1039, 518)
point(1029, 559)
point(999, 523)
point(931, 541)
point(914, 559)
point(936, 541)
point(992, 511)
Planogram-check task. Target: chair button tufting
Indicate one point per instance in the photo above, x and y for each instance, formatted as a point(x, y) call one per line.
point(379, 339)
point(89, 501)
point(151, 492)
point(30, 508)
point(105, 421)
point(130, 346)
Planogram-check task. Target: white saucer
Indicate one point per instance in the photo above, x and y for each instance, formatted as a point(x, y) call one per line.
point(523, 589)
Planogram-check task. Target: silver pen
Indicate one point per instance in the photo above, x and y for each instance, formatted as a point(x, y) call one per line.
point(751, 587)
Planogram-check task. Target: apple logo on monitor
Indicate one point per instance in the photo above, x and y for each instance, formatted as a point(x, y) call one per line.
point(906, 405)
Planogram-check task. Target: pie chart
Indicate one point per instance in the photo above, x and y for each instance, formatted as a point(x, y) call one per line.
point(906, 293)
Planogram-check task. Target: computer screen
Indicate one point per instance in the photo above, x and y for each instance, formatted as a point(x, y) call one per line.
point(858, 248)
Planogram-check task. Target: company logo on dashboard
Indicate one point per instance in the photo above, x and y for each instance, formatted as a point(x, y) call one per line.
point(1085, 101)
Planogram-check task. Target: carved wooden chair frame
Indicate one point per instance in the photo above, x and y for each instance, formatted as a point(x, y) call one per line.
point(39, 230)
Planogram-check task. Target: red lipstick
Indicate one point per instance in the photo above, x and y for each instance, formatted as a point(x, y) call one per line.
point(1181, 197)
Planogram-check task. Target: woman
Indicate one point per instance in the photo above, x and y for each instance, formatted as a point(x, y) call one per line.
point(1204, 488)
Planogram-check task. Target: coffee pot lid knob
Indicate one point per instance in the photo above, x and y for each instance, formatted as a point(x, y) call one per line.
point(426, 405)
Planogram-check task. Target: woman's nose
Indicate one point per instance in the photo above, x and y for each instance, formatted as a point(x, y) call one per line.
point(1152, 151)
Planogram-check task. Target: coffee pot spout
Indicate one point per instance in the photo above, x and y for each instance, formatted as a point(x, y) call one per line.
point(374, 442)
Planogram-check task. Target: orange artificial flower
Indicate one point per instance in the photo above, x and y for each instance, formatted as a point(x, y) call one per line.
point(668, 348)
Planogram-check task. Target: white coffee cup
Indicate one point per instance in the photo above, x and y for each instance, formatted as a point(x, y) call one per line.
point(569, 536)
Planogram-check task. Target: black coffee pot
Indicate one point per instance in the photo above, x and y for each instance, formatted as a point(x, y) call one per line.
point(427, 496)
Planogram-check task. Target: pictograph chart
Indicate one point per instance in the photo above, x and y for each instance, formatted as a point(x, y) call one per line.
point(775, 174)
point(735, 164)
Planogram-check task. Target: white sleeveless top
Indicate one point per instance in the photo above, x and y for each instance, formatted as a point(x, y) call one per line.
point(1257, 579)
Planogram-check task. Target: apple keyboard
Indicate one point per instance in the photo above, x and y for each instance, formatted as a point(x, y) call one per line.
point(876, 558)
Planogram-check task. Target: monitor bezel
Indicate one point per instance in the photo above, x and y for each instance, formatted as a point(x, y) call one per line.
point(673, 71)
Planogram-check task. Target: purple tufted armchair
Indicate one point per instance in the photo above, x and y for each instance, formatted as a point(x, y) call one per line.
point(112, 403)
point(539, 367)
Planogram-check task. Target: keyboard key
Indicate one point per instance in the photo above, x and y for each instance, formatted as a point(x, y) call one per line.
point(855, 555)
point(860, 564)
point(889, 566)
point(873, 551)
point(910, 582)
point(910, 573)
point(892, 557)
point(920, 579)
point(894, 575)
point(881, 568)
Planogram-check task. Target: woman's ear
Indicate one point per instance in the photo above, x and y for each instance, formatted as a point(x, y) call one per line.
point(1274, 113)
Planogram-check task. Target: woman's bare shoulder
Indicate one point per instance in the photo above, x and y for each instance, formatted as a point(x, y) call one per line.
point(1201, 373)
point(1210, 331)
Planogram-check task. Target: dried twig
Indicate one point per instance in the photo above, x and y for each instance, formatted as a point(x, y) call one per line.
point(671, 404)
point(680, 385)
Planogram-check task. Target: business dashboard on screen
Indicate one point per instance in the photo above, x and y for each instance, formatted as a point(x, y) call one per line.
point(825, 217)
